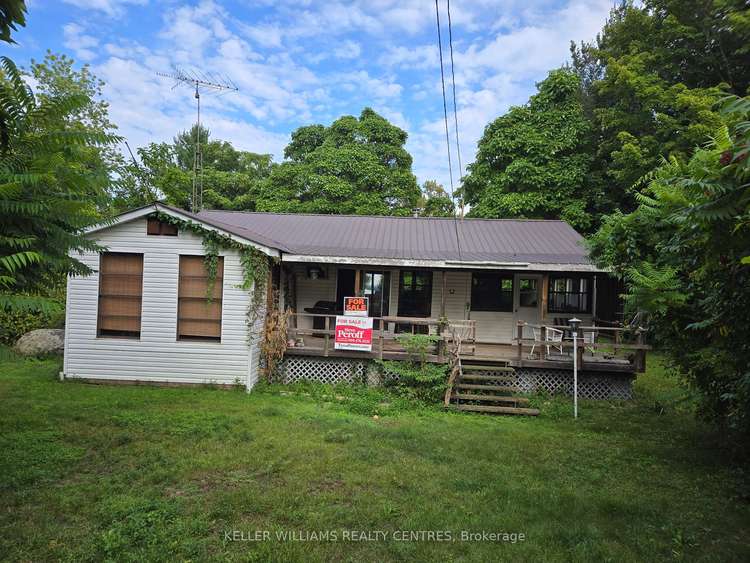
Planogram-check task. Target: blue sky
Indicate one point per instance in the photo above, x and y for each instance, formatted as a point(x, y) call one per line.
point(302, 62)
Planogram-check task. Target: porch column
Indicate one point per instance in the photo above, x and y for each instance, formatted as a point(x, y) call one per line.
point(545, 294)
point(442, 295)
point(358, 282)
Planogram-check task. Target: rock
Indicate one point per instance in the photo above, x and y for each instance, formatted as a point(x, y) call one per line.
point(41, 342)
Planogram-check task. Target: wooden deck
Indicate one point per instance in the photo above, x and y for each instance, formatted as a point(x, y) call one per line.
point(484, 353)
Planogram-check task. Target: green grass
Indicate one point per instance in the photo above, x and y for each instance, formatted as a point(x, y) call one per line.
point(141, 473)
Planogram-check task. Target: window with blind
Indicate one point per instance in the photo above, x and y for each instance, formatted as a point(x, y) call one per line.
point(120, 294)
point(156, 227)
point(198, 318)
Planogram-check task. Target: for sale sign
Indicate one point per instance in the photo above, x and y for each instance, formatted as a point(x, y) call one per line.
point(353, 333)
point(355, 306)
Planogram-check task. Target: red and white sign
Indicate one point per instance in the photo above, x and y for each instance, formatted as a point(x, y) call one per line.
point(353, 333)
point(355, 306)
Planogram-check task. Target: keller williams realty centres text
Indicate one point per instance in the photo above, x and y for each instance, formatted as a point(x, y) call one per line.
point(373, 536)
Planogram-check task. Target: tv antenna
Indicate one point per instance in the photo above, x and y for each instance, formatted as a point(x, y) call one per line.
point(207, 83)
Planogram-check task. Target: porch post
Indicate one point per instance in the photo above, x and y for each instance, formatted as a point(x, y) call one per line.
point(442, 295)
point(326, 337)
point(519, 336)
point(357, 282)
point(545, 294)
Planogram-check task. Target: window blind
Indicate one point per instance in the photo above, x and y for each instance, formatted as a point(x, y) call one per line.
point(197, 317)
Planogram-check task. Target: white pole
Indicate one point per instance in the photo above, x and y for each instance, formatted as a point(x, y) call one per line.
point(575, 374)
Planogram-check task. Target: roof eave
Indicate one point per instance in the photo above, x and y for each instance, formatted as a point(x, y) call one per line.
point(443, 264)
point(183, 216)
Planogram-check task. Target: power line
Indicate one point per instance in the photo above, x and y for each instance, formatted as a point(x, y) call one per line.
point(455, 109)
point(445, 104)
point(447, 134)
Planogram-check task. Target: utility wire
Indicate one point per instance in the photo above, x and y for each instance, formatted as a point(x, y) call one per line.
point(455, 110)
point(447, 134)
point(445, 104)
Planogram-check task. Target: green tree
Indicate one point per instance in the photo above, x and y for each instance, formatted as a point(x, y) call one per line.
point(12, 15)
point(651, 81)
point(48, 193)
point(231, 178)
point(435, 201)
point(56, 77)
point(685, 252)
point(357, 166)
point(534, 161)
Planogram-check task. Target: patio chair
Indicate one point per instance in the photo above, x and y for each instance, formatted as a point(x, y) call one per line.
point(589, 339)
point(554, 335)
point(537, 332)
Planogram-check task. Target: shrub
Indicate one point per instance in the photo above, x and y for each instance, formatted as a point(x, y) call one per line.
point(14, 324)
point(416, 378)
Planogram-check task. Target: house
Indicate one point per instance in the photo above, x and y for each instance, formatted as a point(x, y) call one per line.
point(152, 311)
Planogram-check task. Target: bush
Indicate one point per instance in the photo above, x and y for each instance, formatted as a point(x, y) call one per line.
point(14, 324)
point(416, 378)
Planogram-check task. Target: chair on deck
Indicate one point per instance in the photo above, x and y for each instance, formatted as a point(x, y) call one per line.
point(552, 334)
point(589, 339)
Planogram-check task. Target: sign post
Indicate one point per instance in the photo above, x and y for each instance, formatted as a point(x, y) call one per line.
point(354, 328)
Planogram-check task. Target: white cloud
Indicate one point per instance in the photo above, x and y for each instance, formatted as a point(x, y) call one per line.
point(302, 62)
point(347, 50)
point(79, 42)
point(109, 7)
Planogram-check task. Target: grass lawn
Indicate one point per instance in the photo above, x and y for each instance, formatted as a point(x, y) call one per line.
point(141, 473)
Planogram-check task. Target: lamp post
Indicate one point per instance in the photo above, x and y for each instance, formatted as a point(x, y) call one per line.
point(574, 324)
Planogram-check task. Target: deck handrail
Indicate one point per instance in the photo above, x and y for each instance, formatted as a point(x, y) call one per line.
point(380, 333)
point(639, 348)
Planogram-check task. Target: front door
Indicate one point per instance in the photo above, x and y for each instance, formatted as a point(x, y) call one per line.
point(528, 300)
point(345, 280)
point(414, 296)
point(377, 287)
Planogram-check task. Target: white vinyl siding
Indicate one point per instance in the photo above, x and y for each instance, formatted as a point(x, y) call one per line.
point(157, 355)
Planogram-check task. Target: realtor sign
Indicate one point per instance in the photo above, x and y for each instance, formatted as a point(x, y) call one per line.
point(355, 306)
point(353, 333)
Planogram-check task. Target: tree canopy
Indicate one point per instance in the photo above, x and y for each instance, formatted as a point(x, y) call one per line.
point(685, 252)
point(49, 192)
point(534, 161)
point(356, 166)
point(231, 177)
point(435, 201)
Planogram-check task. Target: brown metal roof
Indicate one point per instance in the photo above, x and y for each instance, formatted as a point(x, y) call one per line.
point(408, 238)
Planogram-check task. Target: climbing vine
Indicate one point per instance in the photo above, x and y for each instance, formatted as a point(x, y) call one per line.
point(255, 264)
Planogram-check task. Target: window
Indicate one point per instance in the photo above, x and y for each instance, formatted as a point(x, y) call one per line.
point(156, 227)
point(120, 294)
point(570, 294)
point(198, 318)
point(491, 291)
point(528, 293)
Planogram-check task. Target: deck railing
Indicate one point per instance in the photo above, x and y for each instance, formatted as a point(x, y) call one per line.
point(610, 344)
point(386, 331)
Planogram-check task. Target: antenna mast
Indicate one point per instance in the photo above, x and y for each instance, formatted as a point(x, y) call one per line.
point(199, 82)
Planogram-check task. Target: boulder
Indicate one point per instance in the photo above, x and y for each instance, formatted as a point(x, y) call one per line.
point(41, 342)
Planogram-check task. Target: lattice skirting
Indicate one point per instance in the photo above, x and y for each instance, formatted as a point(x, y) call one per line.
point(529, 380)
point(590, 385)
point(322, 370)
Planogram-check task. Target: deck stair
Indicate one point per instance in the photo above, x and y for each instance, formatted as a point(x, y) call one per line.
point(486, 388)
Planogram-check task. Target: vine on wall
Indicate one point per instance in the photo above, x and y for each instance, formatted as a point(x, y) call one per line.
point(255, 264)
